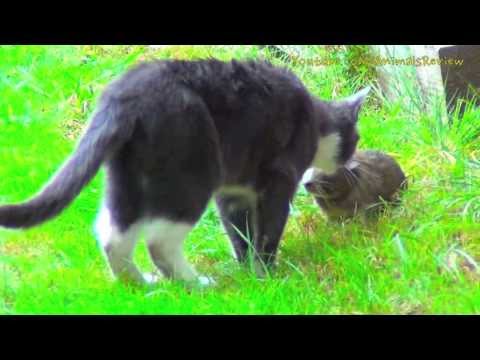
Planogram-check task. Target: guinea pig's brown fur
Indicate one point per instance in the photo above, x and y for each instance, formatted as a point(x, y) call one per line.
point(368, 180)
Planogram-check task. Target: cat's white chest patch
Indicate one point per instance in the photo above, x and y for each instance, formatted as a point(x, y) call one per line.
point(327, 151)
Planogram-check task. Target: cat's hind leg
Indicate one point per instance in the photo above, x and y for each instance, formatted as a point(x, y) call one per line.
point(272, 214)
point(172, 214)
point(175, 204)
point(118, 246)
point(238, 217)
point(119, 223)
point(165, 239)
point(183, 173)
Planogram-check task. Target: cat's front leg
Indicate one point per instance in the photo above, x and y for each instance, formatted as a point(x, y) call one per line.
point(273, 210)
point(238, 217)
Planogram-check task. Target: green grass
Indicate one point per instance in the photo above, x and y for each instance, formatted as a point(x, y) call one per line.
point(402, 264)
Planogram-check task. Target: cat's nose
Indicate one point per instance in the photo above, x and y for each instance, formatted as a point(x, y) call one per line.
point(309, 186)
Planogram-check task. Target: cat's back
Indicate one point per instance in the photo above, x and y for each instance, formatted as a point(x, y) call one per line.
point(209, 76)
point(239, 95)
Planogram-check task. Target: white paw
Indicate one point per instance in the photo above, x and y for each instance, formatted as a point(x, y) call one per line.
point(151, 278)
point(205, 281)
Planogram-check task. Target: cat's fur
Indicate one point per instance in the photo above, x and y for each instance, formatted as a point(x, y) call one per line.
point(173, 133)
point(363, 185)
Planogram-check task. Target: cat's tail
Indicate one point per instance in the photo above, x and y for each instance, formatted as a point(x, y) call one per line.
point(107, 131)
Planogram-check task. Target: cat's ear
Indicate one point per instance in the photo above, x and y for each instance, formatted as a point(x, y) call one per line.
point(354, 102)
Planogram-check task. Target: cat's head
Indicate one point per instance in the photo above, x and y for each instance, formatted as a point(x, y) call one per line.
point(337, 121)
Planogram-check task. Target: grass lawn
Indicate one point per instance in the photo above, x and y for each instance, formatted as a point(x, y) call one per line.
point(418, 258)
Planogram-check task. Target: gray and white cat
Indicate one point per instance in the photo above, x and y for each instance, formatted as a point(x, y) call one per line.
point(368, 180)
point(172, 134)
